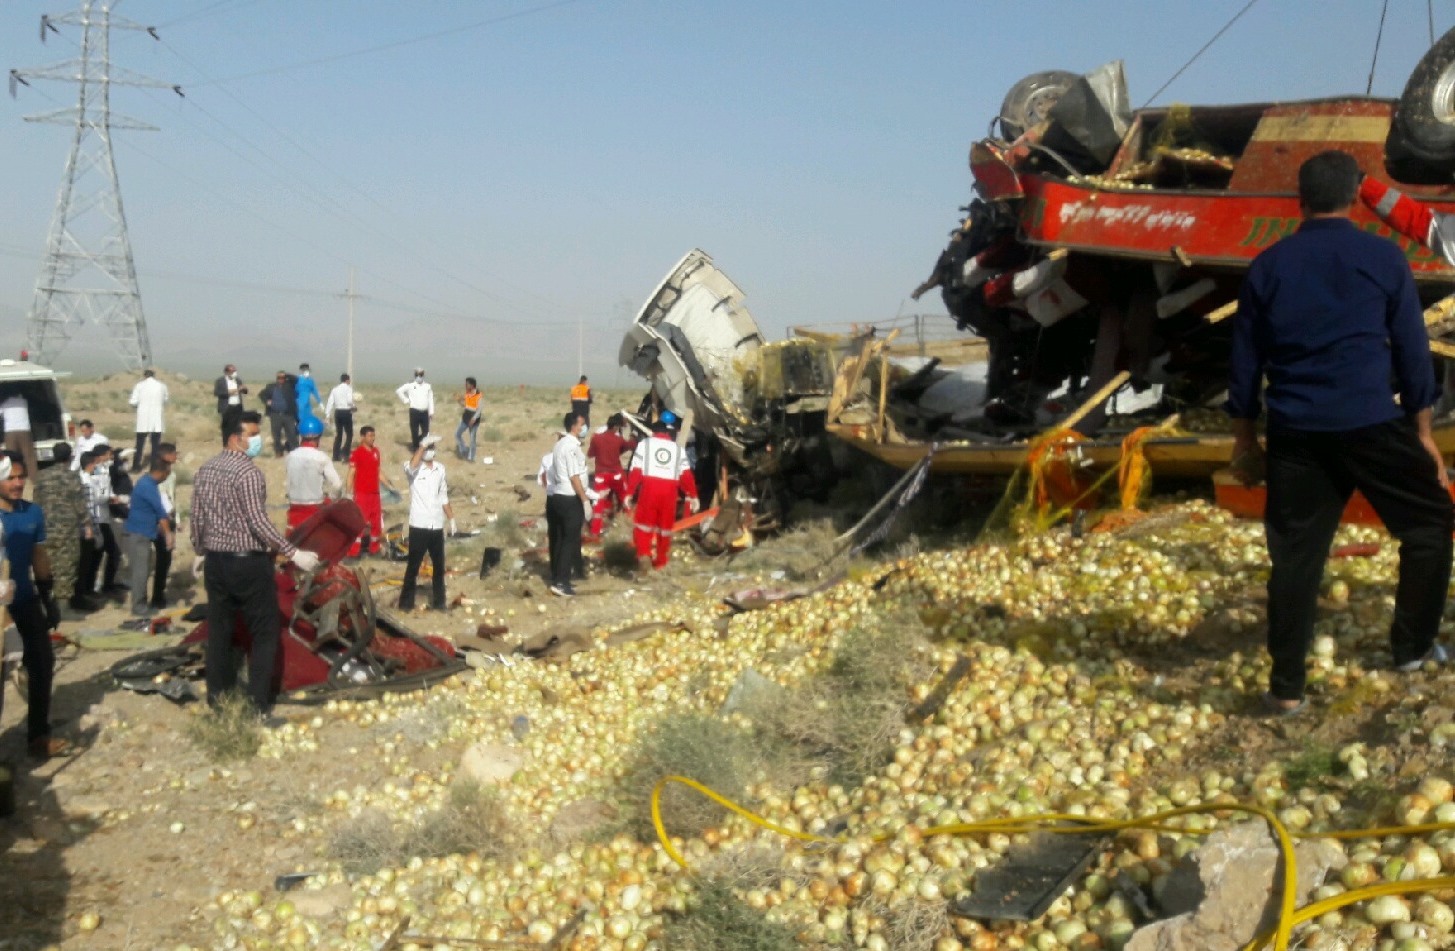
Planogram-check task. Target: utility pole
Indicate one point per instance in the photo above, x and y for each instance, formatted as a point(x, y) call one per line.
point(580, 350)
point(349, 357)
point(88, 275)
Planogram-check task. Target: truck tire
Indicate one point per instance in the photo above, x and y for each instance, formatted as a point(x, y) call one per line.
point(1029, 101)
point(1424, 122)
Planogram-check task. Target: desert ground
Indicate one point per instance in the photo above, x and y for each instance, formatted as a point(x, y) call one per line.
point(1112, 674)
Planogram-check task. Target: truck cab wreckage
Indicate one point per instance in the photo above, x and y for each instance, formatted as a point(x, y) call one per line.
point(755, 411)
point(1105, 247)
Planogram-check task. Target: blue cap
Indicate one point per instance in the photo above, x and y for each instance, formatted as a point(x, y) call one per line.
point(310, 426)
point(669, 419)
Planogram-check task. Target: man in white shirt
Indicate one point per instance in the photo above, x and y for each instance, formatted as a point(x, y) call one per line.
point(148, 396)
point(87, 439)
point(340, 408)
point(429, 508)
point(419, 397)
point(310, 474)
point(568, 502)
point(15, 415)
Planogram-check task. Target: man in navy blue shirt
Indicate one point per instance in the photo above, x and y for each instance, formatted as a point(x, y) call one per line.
point(33, 607)
point(1329, 315)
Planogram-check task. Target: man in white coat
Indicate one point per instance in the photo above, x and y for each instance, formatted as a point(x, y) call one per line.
point(148, 396)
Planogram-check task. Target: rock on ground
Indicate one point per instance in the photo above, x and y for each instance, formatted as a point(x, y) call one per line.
point(1224, 894)
point(491, 764)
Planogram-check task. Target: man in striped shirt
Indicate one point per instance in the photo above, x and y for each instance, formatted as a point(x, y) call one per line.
point(235, 542)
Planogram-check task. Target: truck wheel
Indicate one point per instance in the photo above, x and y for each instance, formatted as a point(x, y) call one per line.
point(1030, 101)
point(1424, 123)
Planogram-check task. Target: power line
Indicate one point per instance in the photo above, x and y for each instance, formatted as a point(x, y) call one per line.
point(1378, 39)
point(209, 10)
point(335, 174)
point(394, 45)
point(445, 311)
point(1205, 47)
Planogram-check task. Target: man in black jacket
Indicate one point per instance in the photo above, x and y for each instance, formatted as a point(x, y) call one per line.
point(229, 390)
point(280, 402)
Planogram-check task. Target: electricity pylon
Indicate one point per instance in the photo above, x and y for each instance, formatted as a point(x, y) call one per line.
point(88, 275)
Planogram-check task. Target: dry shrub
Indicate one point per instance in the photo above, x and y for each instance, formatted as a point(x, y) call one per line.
point(716, 920)
point(619, 556)
point(365, 844)
point(427, 724)
point(473, 819)
point(228, 732)
point(702, 748)
point(916, 925)
point(747, 867)
point(799, 552)
point(505, 531)
point(845, 720)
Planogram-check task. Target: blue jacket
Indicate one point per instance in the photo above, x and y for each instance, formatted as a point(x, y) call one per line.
point(146, 508)
point(1330, 316)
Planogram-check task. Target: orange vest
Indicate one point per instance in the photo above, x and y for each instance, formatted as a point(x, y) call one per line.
point(472, 400)
point(580, 392)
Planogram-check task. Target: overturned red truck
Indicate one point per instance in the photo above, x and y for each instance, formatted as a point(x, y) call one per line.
point(1104, 241)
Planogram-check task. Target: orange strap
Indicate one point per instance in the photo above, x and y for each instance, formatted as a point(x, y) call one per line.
point(1132, 466)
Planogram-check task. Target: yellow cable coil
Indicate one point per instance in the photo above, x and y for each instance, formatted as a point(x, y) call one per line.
point(1288, 916)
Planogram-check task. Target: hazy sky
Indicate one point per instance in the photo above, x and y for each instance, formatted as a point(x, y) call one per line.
point(498, 170)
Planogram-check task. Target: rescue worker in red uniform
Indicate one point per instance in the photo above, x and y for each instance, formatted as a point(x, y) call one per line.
point(659, 473)
point(362, 485)
point(609, 481)
point(1416, 221)
point(1410, 218)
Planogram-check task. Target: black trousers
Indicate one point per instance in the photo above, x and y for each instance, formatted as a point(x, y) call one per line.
point(91, 557)
point(138, 460)
point(424, 541)
point(242, 587)
point(343, 434)
point(565, 518)
point(418, 427)
point(284, 427)
point(163, 556)
point(227, 415)
point(39, 658)
point(582, 408)
point(1311, 476)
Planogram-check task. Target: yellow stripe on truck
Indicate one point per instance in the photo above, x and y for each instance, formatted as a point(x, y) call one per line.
point(1331, 129)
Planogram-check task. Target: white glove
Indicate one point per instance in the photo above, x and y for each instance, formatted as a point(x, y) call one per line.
point(305, 560)
point(197, 563)
point(453, 529)
point(123, 500)
point(431, 440)
point(593, 495)
point(693, 505)
point(586, 507)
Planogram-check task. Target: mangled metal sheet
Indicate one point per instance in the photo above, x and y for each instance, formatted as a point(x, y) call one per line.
point(692, 340)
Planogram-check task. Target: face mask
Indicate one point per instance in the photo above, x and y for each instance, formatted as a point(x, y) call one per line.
point(429, 455)
point(306, 373)
point(255, 445)
point(418, 377)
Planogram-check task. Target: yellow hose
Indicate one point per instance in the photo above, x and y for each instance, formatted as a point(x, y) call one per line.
point(1288, 916)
